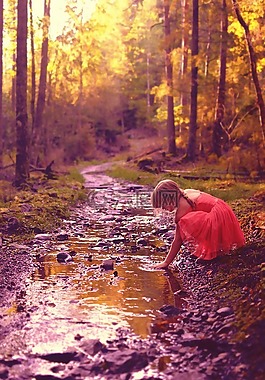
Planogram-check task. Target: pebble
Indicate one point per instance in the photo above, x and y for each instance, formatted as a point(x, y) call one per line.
point(107, 264)
point(224, 311)
point(64, 257)
point(42, 237)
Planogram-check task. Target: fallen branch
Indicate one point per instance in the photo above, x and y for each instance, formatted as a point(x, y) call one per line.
point(47, 171)
point(146, 153)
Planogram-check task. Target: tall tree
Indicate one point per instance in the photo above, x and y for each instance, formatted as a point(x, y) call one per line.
point(169, 75)
point(184, 51)
point(253, 64)
point(22, 158)
point(38, 123)
point(33, 68)
point(191, 148)
point(1, 81)
point(220, 106)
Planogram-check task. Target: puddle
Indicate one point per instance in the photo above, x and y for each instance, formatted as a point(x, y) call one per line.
point(82, 298)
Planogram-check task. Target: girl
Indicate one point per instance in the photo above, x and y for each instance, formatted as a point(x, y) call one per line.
point(202, 219)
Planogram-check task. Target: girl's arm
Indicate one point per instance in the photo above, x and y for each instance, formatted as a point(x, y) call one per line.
point(174, 248)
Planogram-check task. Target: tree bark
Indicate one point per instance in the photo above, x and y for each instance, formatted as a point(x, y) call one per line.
point(184, 51)
point(191, 149)
point(253, 64)
point(33, 69)
point(169, 75)
point(38, 124)
point(220, 106)
point(1, 82)
point(22, 159)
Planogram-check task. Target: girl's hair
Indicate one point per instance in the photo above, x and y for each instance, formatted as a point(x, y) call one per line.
point(168, 192)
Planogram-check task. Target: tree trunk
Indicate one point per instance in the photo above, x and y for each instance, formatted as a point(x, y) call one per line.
point(1, 82)
point(38, 124)
point(14, 84)
point(22, 159)
point(191, 149)
point(253, 63)
point(220, 106)
point(169, 75)
point(33, 70)
point(184, 51)
point(184, 94)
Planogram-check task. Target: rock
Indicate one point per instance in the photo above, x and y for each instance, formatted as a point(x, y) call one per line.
point(142, 241)
point(125, 361)
point(61, 357)
point(64, 257)
point(202, 344)
point(224, 311)
point(92, 346)
point(20, 247)
point(13, 224)
point(42, 237)
point(169, 310)
point(117, 239)
point(108, 265)
point(3, 372)
point(225, 329)
point(62, 236)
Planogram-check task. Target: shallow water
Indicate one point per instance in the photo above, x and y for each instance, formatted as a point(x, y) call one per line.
point(80, 298)
point(68, 301)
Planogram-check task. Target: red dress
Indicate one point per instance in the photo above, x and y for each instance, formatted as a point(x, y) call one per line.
point(212, 227)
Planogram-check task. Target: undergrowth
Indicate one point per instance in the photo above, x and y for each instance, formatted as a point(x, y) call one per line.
point(41, 206)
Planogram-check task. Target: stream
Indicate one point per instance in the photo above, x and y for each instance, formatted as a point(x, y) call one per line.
point(106, 283)
point(92, 306)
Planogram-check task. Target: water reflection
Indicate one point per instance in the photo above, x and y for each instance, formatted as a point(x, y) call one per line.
point(130, 297)
point(82, 299)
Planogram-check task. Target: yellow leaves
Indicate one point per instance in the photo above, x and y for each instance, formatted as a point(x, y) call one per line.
point(160, 91)
point(261, 65)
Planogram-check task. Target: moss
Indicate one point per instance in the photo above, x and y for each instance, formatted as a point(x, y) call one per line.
point(240, 282)
point(41, 207)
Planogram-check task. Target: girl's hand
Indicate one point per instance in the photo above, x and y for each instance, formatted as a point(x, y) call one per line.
point(163, 265)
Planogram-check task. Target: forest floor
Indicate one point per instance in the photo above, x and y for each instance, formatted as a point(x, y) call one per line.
point(218, 335)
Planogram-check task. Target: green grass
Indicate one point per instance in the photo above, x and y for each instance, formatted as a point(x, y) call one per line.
point(132, 175)
point(75, 175)
point(228, 189)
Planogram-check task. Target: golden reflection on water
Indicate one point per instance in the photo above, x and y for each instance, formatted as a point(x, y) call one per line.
point(131, 298)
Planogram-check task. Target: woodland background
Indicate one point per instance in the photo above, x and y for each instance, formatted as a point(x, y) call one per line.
point(190, 72)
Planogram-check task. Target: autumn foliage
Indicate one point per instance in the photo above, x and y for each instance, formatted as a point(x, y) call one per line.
point(105, 74)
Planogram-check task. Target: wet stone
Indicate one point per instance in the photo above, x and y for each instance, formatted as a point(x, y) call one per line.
point(125, 361)
point(170, 310)
point(92, 346)
point(118, 239)
point(107, 265)
point(62, 236)
point(64, 257)
point(142, 241)
point(225, 329)
point(42, 237)
point(225, 311)
point(64, 357)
